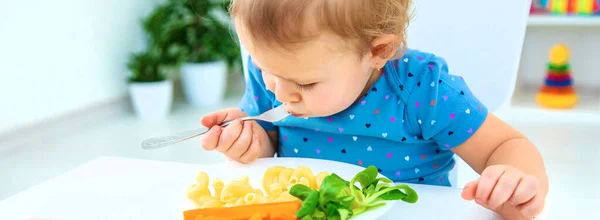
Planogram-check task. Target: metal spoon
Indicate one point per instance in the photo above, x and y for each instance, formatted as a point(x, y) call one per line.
point(273, 115)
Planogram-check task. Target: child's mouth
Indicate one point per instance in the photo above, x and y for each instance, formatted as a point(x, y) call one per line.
point(296, 114)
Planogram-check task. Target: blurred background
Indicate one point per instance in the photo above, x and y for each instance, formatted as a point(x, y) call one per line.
point(83, 79)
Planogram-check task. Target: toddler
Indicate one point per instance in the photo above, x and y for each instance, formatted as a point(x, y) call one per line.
point(359, 95)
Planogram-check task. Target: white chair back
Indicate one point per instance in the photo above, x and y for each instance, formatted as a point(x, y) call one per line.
point(482, 41)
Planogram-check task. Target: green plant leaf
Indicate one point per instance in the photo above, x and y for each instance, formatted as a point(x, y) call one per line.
point(187, 31)
point(365, 177)
point(300, 191)
point(309, 204)
point(332, 188)
point(344, 213)
point(411, 195)
point(392, 195)
point(318, 214)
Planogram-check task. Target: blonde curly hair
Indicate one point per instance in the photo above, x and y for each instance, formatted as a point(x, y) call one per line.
point(289, 23)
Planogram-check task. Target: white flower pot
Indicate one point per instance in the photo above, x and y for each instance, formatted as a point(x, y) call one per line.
point(204, 84)
point(152, 100)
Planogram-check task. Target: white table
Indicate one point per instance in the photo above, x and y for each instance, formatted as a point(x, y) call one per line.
point(119, 188)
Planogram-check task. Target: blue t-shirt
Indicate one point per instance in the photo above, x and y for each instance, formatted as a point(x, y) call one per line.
point(405, 125)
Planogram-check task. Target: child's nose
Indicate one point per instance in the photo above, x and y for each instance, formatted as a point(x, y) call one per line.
point(286, 93)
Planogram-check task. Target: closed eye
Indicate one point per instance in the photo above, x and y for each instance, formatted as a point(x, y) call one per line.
point(306, 87)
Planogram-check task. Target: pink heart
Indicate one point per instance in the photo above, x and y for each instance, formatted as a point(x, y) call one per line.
point(420, 58)
point(389, 155)
point(256, 98)
point(392, 119)
point(363, 102)
point(330, 119)
point(430, 67)
point(445, 98)
point(317, 129)
point(285, 138)
point(447, 145)
point(383, 73)
point(452, 116)
point(341, 129)
point(293, 127)
point(387, 97)
point(318, 151)
point(441, 180)
point(330, 140)
point(470, 131)
point(417, 104)
point(397, 173)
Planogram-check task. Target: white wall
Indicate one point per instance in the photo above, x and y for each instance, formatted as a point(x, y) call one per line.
point(64, 55)
point(584, 43)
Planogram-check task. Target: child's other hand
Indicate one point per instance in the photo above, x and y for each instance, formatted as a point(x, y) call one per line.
point(506, 189)
point(239, 141)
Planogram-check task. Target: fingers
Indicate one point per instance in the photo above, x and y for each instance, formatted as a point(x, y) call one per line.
point(504, 189)
point(210, 140)
point(218, 117)
point(229, 135)
point(532, 208)
point(525, 191)
point(242, 143)
point(487, 182)
point(253, 151)
point(468, 192)
point(239, 141)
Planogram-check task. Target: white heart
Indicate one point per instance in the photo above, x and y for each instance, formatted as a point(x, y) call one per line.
point(402, 120)
point(295, 150)
point(432, 122)
point(416, 137)
point(419, 121)
point(351, 117)
point(468, 111)
point(417, 170)
point(432, 84)
point(306, 118)
point(399, 101)
point(369, 148)
point(251, 106)
point(354, 138)
point(453, 78)
point(406, 60)
point(407, 158)
point(384, 134)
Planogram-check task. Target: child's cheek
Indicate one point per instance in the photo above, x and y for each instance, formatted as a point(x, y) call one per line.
point(269, 82)
point(325, 101)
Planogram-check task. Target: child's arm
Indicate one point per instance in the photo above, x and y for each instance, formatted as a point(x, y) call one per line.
point(441, 107)
point(512, 170)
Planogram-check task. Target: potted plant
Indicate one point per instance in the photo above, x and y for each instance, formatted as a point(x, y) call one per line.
point(196, 36)
point(150, 91)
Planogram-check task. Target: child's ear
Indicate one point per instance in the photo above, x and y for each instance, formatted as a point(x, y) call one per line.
point(382, 49)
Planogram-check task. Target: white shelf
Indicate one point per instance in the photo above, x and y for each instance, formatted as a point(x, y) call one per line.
point(525, 108)
point(564, 20)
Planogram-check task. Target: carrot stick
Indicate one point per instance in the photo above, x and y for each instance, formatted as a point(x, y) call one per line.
point(279, 211)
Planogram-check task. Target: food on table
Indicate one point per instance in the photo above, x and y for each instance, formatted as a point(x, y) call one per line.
point(279, 210)
point(290, 193)
point(277, 181)
point(341, 199)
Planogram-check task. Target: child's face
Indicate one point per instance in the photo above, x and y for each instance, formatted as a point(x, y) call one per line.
point(321, 79)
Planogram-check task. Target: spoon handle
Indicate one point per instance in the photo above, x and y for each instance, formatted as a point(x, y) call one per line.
point(159, 142)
